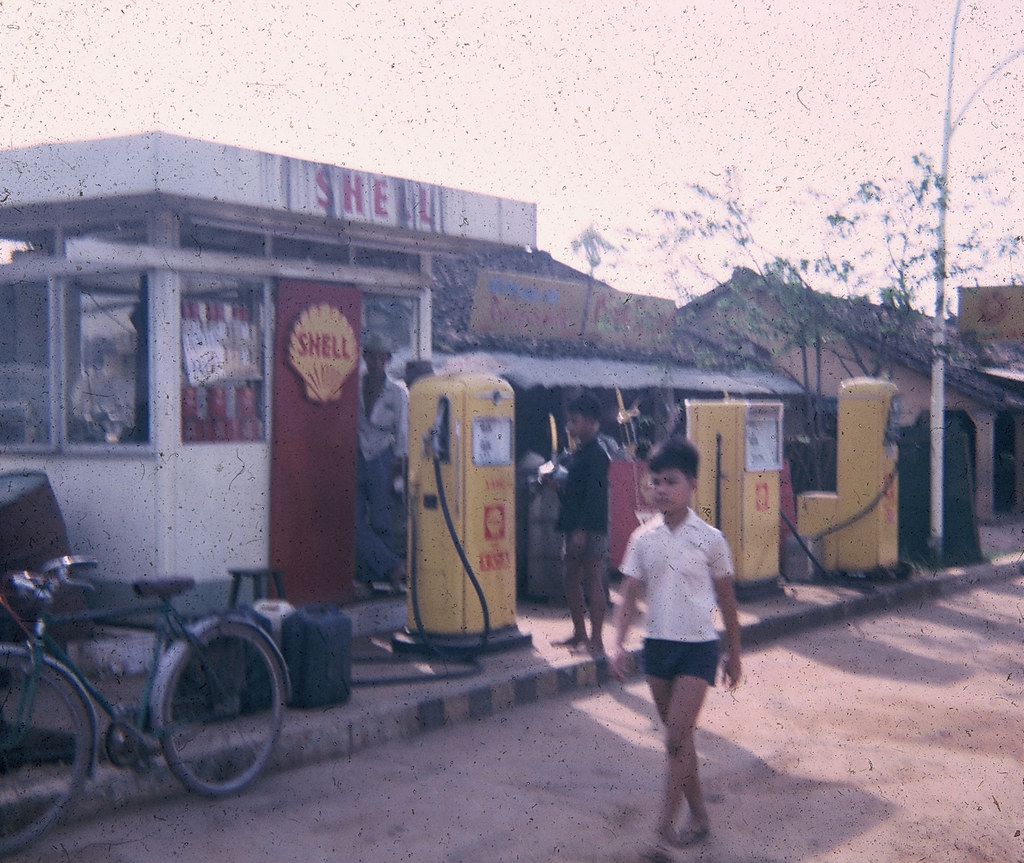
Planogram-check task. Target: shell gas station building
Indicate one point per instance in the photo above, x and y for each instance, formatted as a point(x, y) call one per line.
point(180, 343)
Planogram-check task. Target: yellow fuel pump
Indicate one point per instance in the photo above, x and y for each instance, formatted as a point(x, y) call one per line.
point(740, 445)
point(462, 556)
point(866, 479)
point(858, 525)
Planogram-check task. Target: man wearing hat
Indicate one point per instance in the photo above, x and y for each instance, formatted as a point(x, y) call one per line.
point(383, 445)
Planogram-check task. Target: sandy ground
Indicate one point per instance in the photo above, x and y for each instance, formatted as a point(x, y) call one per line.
point(894, 738)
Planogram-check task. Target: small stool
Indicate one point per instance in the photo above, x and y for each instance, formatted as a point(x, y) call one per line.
point(260, 579)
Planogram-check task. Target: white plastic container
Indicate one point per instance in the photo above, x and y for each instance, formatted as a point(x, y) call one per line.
point(274, 611)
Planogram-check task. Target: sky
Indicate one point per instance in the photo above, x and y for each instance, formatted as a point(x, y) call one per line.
point(597, 113)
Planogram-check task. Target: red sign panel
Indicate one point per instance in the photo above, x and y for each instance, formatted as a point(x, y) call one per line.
point(313, 447)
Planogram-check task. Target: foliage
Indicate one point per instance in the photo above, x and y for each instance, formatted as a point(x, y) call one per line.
point(861, 296)
point(887, 236)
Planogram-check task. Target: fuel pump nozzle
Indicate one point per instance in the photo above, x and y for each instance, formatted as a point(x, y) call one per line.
point(438, 438)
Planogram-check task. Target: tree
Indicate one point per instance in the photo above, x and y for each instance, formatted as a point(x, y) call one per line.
point(877, 262)
point(593, 246)
point(861, 296)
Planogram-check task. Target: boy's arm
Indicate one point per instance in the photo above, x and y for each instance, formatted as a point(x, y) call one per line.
point(624, 613)
point(726, 596)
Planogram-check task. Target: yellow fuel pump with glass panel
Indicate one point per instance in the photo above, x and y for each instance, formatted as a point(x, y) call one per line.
point(462, 554)
point(740, 445)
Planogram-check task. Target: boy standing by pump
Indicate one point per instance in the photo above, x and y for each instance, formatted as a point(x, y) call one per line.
point(683, 567)
point(583, 519)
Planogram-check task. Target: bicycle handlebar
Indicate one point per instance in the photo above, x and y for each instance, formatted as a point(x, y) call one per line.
point(62, 566)
point(42, 585)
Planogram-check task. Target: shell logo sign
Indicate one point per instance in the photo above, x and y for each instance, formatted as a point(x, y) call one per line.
point(323, 352)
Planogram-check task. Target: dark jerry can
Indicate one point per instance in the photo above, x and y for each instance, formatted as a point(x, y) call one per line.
point(317, 646)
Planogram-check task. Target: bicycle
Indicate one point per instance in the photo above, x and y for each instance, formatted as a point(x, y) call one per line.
point(212, 702)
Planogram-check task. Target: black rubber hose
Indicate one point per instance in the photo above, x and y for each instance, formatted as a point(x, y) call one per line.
point(485, 636)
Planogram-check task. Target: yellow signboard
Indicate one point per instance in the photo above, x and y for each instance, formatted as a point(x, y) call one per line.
point(993, 312)
point(628, 320)
point(519, 305)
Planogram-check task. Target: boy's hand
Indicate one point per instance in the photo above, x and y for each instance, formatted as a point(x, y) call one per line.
point(620, 663)
point(732, 671)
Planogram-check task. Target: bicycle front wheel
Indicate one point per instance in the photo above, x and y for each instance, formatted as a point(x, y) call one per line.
point(218, 704)
point(46, 734)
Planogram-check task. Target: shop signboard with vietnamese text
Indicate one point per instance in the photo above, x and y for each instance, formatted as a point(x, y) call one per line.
point(629, 320)
point(515, 304)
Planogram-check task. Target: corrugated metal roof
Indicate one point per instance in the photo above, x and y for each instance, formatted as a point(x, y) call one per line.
point(1005, 374)
point(528, 371)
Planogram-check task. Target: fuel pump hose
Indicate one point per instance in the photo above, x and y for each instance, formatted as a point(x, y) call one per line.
point(446, 512)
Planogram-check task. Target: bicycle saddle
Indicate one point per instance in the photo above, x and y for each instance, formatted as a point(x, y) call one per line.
point(164, 588)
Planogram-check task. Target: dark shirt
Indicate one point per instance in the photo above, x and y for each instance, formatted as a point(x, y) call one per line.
point(585, 496)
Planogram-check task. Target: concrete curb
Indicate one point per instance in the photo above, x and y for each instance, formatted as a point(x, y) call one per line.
point(333, 733)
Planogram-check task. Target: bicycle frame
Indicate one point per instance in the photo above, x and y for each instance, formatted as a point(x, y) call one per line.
point(212, 703)
point(43, 647)
point(166, 631)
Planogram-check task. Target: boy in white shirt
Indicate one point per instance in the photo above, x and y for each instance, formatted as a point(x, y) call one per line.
point(683, 566)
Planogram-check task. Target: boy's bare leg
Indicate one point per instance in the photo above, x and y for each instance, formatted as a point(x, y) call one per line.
point(679, 702)
point(577, 604)
point(593, 571)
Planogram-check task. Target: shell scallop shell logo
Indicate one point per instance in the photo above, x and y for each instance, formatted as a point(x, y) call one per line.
point(322, 350)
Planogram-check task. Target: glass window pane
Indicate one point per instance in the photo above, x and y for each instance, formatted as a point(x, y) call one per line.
point(222, 376)
point(24, 364)
point(106, 357)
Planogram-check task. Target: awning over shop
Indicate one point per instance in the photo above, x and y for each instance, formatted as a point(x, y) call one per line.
point(528, 371)
point(1012, 375)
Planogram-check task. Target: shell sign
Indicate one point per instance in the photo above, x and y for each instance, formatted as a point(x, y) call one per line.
point(322, 350)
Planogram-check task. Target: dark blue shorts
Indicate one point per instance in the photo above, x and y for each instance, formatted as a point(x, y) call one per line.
point(671, 659)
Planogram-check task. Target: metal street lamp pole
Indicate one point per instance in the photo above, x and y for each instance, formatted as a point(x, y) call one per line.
point(938, 397)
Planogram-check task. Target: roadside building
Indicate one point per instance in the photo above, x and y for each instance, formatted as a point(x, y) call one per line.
point(181, 330)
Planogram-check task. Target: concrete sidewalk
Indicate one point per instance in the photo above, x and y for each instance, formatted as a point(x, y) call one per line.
point(382, 709)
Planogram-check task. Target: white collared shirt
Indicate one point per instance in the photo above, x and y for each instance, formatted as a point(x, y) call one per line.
point(388, 422)
point(677, 569)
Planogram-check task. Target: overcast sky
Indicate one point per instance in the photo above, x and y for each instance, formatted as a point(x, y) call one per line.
point(595, 116)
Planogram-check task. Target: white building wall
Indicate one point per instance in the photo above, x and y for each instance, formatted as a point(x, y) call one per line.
point(109, 508)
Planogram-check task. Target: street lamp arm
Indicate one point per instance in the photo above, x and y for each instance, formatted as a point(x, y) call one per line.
point(1014, 56)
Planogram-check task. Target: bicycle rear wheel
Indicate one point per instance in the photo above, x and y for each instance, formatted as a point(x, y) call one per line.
point(218, 706)
point(46, 737)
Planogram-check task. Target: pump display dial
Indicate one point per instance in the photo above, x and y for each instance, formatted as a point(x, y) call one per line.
point(492, 441)
point(763, 437)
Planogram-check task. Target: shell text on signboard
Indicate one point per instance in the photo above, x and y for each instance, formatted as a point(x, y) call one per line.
point(322, 350)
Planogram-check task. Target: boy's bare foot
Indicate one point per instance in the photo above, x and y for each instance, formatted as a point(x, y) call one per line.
point(572, 642)
point(596, 648)
point(692, 835)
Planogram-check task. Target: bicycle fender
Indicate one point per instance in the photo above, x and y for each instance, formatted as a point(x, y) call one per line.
point(272, 645)
point(172, 656)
